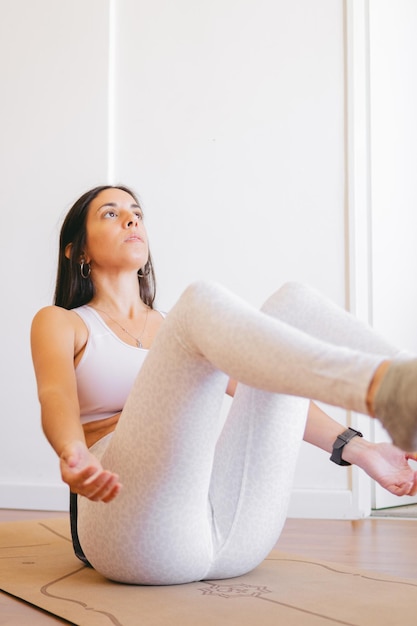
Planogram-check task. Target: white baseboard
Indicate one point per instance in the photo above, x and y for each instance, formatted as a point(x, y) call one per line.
point(324, 504)
point(310, 504)
point(34, 497)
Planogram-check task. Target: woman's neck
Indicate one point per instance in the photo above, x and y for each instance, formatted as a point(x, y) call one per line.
point(118, 297)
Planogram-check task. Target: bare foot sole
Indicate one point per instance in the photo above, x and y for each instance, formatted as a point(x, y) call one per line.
point(395, 403)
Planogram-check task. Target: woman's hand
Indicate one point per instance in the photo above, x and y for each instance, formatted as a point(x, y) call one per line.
point(389, 466)
point(84, 474)
point(386, 464)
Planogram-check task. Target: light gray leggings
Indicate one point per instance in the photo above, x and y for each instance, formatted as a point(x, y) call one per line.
point(205, 494)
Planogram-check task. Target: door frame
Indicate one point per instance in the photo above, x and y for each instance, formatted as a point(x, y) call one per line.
point(366, 494)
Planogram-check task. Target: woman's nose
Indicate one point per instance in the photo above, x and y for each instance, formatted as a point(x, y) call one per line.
point(131, 221)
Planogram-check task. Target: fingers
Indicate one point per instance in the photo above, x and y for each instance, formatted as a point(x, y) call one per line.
point(88, 478)
point(110, 495)
point(404, 490)
point(413, 489)
point(100, 486)
point(412, 456)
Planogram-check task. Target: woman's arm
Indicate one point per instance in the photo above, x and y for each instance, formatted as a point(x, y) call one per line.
point(321, 430)
point(383, 462)
point(54, 340)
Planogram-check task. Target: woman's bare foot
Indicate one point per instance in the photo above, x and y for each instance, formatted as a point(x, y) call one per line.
point(392, 398)
point(374, 386)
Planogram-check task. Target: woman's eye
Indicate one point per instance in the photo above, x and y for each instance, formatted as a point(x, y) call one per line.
point(110, 213)
point(139, 215)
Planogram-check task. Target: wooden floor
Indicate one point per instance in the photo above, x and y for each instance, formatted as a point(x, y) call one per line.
point(383, 545)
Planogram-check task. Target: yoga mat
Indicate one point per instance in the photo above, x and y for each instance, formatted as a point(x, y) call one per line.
point(37, 565)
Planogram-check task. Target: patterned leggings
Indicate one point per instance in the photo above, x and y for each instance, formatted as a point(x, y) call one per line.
point(205, 493)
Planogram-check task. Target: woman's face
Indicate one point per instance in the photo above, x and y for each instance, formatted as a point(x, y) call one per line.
point(116, 236)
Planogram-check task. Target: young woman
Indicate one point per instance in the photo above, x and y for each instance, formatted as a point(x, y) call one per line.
point(170, 490)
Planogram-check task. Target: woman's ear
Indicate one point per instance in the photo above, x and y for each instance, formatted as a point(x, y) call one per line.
point(68, 249)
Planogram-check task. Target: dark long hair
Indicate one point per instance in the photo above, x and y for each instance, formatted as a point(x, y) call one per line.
point(72, 289)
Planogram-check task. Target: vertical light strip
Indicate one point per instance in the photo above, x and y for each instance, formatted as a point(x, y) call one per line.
point(347, 103)
point(358, 170)
point(358, 203)
point(111, 78)
point(368, 114)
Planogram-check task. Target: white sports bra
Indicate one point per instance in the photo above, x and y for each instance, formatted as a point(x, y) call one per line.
point(107, 369)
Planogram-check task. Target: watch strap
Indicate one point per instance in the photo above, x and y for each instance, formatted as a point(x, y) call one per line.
point(340, 443)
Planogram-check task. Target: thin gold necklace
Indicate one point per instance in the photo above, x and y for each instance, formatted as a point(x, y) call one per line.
point(138, 341)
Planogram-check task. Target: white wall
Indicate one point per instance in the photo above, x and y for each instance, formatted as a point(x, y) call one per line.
point(229, 122)
point(231, 126)
point(53, 127)
point(394, 165)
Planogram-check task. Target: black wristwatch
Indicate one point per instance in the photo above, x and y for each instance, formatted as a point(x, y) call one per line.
point(340, 443)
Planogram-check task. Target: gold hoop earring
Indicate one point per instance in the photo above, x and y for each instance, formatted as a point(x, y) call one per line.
point(85, 274)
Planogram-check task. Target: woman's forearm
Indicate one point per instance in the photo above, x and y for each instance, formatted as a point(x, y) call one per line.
point(322, 430)
point(60, 422)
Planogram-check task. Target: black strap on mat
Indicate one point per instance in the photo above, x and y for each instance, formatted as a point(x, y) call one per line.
point(74, 532)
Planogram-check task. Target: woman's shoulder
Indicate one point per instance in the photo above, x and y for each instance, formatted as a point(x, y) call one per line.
point(52, 311)
point(62, 328)
point(53, 315)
